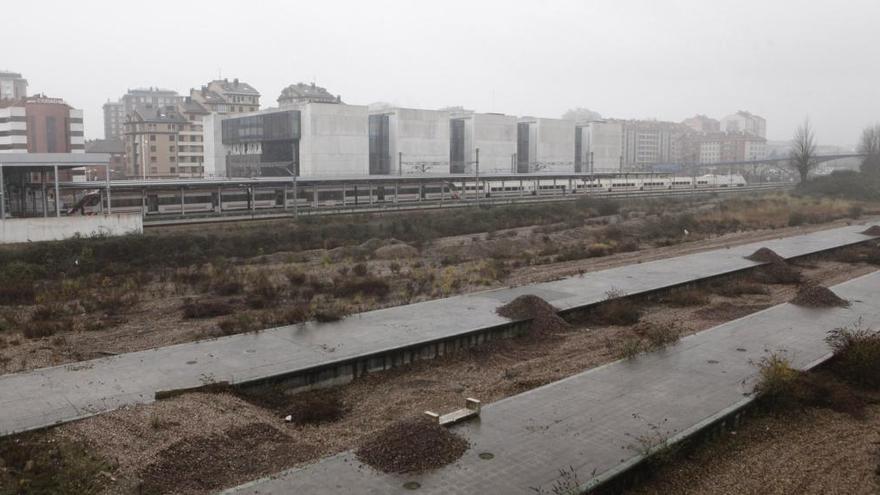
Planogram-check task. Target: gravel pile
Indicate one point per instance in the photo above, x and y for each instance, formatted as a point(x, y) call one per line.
point(817, 296)
point(873, 230)
point(529, 307)
point(410, 446)
point(766, 255)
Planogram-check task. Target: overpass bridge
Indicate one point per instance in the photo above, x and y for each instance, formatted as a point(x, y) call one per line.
point(783, 163)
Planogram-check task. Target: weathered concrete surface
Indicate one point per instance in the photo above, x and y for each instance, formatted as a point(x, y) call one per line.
point(14, 230)
point(46, 396)
point(592, 421)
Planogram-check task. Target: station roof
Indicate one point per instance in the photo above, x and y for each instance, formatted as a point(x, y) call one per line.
point(62, 160)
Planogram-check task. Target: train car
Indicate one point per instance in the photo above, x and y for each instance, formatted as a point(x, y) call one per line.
point(719, 181)
point(681, 183)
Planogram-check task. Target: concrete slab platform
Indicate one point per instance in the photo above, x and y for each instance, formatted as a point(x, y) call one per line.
point(47, 396)
point(592, 422)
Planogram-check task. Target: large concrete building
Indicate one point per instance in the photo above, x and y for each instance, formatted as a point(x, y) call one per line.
point(545, 145)
point(493, 134)
point(409, 141)
point(116, 113)
point(746, 123)
point(599, 147)
point(39, 124)
point(310, 139)
point(334, 139)
point(12, 86)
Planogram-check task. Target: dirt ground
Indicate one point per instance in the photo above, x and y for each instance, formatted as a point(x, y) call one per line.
point(816, 452)
point(175, 445)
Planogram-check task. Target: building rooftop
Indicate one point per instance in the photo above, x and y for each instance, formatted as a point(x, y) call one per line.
point(33, 99)
point(152, 90)
point(161, 115)
point(303, 91)
point(235, 86)
point(188, 105)
point(8, 74)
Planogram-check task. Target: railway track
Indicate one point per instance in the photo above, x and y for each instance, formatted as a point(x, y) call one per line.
point(160, 220)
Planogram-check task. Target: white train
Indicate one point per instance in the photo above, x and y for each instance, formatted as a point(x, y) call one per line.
point(158, 202)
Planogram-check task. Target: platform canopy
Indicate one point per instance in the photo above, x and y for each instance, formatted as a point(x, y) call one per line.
point(36, 162)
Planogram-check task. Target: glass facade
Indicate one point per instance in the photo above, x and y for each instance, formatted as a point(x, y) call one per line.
point(456, 146)
point(522, 147)
point(380, 150)
point(265, 145)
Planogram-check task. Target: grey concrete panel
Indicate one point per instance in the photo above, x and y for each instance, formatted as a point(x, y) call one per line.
point(592, 421)
point(46, 396)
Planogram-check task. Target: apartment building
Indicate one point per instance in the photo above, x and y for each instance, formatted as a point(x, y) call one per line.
point(651, 142)
point(116, 113)
point(720, 147)
point(12, 86)
point(152, 143)
point(702, 124)
point(223, 96)
point(40, 124)
point(745, 123)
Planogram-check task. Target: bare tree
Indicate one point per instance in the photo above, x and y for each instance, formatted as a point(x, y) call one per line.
point(803, 149)
point(869, 145)
point(581, 114)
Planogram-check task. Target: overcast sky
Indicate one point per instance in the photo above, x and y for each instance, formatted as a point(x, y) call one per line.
point(663, 59)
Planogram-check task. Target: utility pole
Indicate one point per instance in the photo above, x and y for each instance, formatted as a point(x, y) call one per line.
point(400, 163)
point(477, 177)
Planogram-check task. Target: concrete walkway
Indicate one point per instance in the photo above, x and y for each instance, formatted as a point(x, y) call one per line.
point(47, 396)
point(593, 422)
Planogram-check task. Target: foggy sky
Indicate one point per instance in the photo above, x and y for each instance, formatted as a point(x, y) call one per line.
point(784, 60)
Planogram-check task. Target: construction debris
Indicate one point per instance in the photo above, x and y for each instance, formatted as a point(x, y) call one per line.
point(817, 296)
point(471, 410)
point(530, 307)
point(410, 446)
